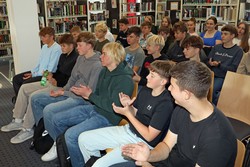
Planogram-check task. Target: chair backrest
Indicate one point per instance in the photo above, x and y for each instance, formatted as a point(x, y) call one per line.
point(234, 100)
point(210, 92)
point(241, 149)
point(135, 91)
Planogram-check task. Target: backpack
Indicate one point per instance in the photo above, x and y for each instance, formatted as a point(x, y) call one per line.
point(62, 152)
point(42, 141)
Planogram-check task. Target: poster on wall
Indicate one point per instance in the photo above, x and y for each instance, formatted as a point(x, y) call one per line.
point(114, 23)
point(113, 4)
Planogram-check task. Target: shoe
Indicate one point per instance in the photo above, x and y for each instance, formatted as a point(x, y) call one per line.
point(51, 154)
point(12, 126)
point(22, 136)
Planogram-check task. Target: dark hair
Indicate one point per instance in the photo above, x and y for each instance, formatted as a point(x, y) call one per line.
point(146, 23)
point(47, 31)
point(230, 28)
point(134, 29)
point(193, 41)
point(66, 39)
point(162, 67)
point(87, 37)
point(181, 26)
point(192, 76)
point(123, 20)
point(166, 30)
point(193, 20)
point(244, 40)
point(212, 18)
point(75, 29)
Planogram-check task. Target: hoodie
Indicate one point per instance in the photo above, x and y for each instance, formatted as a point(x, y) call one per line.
point(110, 84)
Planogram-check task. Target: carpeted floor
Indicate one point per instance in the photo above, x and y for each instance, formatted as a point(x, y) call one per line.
point(11, 155)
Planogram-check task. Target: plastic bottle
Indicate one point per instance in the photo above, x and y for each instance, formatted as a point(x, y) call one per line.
point(44, 78)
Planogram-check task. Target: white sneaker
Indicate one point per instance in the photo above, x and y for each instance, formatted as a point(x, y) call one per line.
point(12, 126)
point(22, 136)
point(51, 154)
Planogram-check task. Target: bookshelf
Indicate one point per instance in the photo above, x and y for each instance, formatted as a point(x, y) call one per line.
point(161, 9)
point(62, 15)
point(96, 13)
point(136, 10)
point(5, 40)
point(226, 11)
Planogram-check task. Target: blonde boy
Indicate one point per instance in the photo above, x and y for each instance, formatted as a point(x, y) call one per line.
point(100, 32)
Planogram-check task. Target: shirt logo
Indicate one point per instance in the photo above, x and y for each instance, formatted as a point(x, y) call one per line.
point(194, 146)
point(149, 107)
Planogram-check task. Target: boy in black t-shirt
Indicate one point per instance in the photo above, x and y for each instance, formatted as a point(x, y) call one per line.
point(149, 117)
point(199, 134)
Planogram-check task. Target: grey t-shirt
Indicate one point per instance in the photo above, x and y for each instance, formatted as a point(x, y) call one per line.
point(134, 57)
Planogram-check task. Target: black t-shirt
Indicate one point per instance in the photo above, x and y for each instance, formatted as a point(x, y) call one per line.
point(154, 111)
point(209, 143)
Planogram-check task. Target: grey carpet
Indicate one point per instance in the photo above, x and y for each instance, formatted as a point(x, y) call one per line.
point(18, 155)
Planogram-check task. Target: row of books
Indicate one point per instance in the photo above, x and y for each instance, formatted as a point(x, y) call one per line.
point(147, 6)
point(3, 10)
point(97, 16)
point(136, 20)
point(97, 6)
point(131, 7)
point(224, 13)
point(66, 9)
point(4, 24)
point(65, 26)
point(4, 38)
point(210, 1)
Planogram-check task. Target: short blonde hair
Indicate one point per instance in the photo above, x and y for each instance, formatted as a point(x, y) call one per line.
point(116, 51)
point(156, 40)
point(101, 27)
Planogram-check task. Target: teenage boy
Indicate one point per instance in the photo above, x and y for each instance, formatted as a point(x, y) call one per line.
point(100, 32)
point(149, 116)
point(165, 32)
point(48, 60)
point(85, 72)
point(23, 104)
point(123, 33)
point(134, 53)
point(224, 57)
point(146, 33)
point(75, 32)
point(199, 133)
point(114, 78)
point(175, 51)
point(192, 46)
point(154, 45)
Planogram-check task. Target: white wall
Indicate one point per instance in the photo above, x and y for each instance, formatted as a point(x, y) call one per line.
point(24, 29)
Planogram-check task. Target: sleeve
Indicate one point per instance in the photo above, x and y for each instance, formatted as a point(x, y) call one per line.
point(35, 70)
point(218, 35)
point(125, 85)
point(215, 153)
point(94, 75)
point(175, 121)
point(73, 78)
point(210, 56)
point(242, 68)
point(235, 62)
point(54, 58)
point(139, 58)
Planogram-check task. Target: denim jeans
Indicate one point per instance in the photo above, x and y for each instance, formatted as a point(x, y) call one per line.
point(74, 121)
point(218, 82)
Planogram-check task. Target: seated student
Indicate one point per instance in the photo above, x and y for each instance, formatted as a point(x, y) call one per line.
point(191, 23)
point(146, 33)
point(211, 36)
point(149, 117)
point(165, 32)
point(123, 32)
point(48, 60)
point(242, 39)
point(175, 51)
point(85, 72)
point(199, 133)
point(193, 49)
point(154, 45)
point(154, 28)
point(23, 105)
point(100, 32)
point(75, 32)
point(244, 66)
point(134, 53)
point(97, 111)
point(224, 57)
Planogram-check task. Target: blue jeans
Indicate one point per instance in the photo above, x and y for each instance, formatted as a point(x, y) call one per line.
point(218, 82)
point(74, 120)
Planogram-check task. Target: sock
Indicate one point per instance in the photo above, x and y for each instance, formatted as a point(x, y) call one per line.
point(17, 120)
